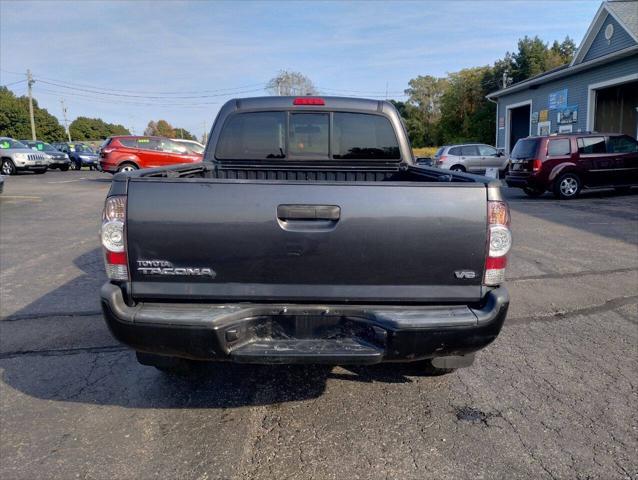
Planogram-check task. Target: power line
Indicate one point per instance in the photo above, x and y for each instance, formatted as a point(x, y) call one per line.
point(14, 83)
point(72, 84)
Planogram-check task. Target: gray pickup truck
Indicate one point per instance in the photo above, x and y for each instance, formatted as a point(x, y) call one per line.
point(307, 235)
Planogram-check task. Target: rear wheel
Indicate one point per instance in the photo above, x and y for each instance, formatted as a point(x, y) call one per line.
point(533, 192)
point(567, 186)
point(8, 168)
point(64, 168)
point(127, 167)
point(457, 168)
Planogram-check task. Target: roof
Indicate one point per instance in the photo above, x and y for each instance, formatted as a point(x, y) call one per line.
point(625, 12)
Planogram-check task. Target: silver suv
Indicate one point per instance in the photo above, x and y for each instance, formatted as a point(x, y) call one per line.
point(470, 157)
point(15, 157)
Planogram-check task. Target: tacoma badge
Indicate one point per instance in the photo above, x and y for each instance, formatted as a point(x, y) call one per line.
point(164, 267)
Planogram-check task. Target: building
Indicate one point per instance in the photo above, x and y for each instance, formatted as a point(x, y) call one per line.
point(597, 91)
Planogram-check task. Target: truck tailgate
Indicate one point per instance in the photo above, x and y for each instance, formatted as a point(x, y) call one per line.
point(295, 241)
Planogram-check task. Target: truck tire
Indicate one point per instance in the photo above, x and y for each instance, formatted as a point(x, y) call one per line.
point(169, 365)
point(8, 168)
point(567, 186)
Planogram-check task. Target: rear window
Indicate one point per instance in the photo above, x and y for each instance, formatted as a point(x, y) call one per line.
point(439, 152)
point(525, 149)
point(270, 135)
point(308, 134)
point(362, 136)
point(253, 136)
point(558, 146)
point(592, 145)
point(622, 144)
point(141, 143)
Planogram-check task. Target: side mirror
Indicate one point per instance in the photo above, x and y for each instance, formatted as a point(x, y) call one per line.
point(499, 154)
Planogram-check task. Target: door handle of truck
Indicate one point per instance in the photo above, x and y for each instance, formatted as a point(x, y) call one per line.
point(308, 212)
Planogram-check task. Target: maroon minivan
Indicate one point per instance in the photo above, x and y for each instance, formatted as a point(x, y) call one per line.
point(566, 163)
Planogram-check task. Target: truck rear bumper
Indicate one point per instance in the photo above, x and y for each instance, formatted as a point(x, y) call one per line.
point(299, 333)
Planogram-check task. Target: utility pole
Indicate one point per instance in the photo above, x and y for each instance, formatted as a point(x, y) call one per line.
point(386, 90)
point(66, 122)
point(30, 83)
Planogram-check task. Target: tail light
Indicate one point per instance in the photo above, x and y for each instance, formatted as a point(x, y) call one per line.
point(536, 164)
point(113, 238)
point(441, 159)
point(499, 242)
point(308, 101)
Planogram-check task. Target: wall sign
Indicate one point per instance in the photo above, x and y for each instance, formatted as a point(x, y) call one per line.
point(558, 99)
point(534, 117)
point(567, 115)
point(544, 128)
point(543, 115)
point(565, 128)
point(501, 123)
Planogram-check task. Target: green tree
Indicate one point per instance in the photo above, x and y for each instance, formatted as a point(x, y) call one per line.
point(161, 128)
point(183, 133)
point(423, 109)
point(15, 123)
point(84, 128)
point(534, 56)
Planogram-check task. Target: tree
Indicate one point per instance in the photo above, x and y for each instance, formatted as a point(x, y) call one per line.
point(465, 113)
point(423, 108)
point(15, 123)
point(84, 128)
point(161, 128)
point(291, 83)
point(535, 57)
point(183, 133)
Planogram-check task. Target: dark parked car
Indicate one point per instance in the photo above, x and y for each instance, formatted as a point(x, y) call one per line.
point(57, 159)
point(566, 163)
point(300, 239)
point(128, 153)
point(80, 154)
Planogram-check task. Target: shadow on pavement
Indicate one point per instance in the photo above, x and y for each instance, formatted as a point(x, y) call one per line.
point(110, 374)
point(602, 212)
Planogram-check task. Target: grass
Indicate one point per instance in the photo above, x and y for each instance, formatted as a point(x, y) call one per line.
point(425, 152)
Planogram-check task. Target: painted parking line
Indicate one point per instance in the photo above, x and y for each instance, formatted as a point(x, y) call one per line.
point(70, 181)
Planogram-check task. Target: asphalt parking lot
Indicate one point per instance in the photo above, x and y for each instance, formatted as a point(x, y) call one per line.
point(554, 397)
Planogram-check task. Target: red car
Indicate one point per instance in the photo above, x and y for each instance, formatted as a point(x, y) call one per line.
point(128, 153)
point(566, 163)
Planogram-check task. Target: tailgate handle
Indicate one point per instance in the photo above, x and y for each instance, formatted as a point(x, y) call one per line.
point(308, 212)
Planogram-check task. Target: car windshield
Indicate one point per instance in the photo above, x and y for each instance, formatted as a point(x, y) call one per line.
point(7, 143)
point(525, 149)
point(83, 149)
point(193, 147)
point(41, 146)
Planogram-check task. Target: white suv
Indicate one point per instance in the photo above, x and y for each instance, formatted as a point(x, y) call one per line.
point(15, 156)
point(470, 157)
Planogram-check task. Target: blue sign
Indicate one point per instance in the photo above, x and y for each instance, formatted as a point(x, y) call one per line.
point(558, 99)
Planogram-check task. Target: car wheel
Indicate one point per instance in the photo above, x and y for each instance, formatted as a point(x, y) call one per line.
point(64, 168)
point(567, 186)
point(457, 168)
point(533, 192)
point(127, 167)
point(8, 168)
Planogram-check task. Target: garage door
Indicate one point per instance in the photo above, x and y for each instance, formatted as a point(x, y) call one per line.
point(616, 109)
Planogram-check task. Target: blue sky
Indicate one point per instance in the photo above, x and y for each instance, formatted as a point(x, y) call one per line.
point(217, 49)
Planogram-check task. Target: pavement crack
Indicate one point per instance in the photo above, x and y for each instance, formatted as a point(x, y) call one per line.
point(38, 316)
point(62, 351)
point(609, 305)
point(558, 276)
